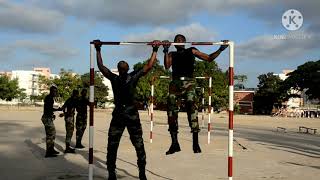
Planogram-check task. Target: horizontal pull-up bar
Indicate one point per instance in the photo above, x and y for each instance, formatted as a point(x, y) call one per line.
point(162, 43)
point(183, 78)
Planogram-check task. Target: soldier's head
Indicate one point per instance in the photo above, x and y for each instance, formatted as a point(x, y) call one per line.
point(53, 91)
point(75, 93)
point(179, 38)
point(123, 68)
point(84, 92)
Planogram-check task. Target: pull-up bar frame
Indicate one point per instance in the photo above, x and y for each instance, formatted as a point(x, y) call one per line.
point(231, 84)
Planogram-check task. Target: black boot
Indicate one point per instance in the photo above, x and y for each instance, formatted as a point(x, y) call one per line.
point(175, 147)
point(79, 145)
point(142, 174)
point(54, 151)
point(112, 175)
point(50, 152)
point(69, 149)
point(196, 147)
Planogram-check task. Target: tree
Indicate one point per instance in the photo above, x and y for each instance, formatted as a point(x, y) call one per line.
point(306, 76)
point(100, 90)
point(9, 89)
point(269, 94)
point(66, 83)
point(240, 80)
point(219, 83)
point(143, 89)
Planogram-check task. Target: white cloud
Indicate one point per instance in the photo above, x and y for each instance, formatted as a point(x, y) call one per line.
point(53, 49)
point(25, 17)
point(50, 49)
point(270, 48)
point(157, 13)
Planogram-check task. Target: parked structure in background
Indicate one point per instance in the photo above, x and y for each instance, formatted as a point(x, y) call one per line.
point(244, 99)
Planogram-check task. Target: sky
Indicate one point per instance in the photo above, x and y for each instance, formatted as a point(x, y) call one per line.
point(56, 34)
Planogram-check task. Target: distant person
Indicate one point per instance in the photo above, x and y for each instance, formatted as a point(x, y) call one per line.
point(47, 119)
point(81, 119)
point(125, 113)
point(182, 86)
point(69, 112)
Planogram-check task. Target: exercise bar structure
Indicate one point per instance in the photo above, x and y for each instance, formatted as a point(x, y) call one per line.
point(210, 110)
point(231, 79)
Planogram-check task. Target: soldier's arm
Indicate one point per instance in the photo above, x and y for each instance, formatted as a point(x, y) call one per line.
point(147, 67)
point(167, 58)
point(209, 57)
point(103, 69)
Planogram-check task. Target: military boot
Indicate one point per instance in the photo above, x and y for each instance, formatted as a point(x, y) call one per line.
point(79, 145)
point(175, 147)
point(112, 175)
point(50, 152)
point(196, 147)
point(69, 149)
point(142, 174)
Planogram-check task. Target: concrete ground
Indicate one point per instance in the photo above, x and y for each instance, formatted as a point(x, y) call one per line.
point(260, 152)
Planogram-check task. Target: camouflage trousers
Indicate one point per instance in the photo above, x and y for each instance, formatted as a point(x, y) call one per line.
point(69, 120)
point(125, 117)
point(50, 131)
point(178, 90)
point(81, 125)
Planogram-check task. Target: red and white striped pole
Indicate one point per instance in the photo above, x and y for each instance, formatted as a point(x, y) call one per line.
point(151, 109)
point(202, 117)
point(231, 74)
point(209, 110)
point(91, 101)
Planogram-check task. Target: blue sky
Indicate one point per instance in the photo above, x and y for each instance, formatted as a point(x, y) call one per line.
point(56, 34)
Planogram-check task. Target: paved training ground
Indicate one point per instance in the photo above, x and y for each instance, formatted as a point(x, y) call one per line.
point(261, 152)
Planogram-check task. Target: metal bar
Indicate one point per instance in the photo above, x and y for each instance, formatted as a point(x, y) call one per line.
point(162, 43)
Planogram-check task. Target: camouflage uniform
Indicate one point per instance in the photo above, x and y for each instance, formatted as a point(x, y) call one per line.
point(125, 115)
point(70, 105)
point(69, 128)
point(81, 125)
point(47, 120)
point(182, 89)
point(50, 130)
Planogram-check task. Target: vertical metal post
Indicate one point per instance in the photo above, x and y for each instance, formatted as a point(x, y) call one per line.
point(91, 101)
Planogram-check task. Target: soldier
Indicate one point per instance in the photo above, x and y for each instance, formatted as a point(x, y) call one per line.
point(47, 120)
point(125, 113)
point(183, 86)
point(81, 120)
point(69, 111)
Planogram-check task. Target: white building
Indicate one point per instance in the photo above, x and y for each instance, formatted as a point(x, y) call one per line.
point(292, 102)
point(27, 80)
point(107, 83)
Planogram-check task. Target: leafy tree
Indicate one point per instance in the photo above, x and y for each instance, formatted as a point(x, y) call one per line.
point(9, 89)
point(100, 90)
point(269, 94)
point(239, 81)
point(143, 90)
point(306, 76)
point(219, 83)
point(66, 83)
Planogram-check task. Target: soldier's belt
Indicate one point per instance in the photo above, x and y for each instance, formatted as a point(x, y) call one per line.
point(183, 78)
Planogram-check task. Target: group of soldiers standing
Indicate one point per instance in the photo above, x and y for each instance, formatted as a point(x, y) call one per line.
point(74, 103)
